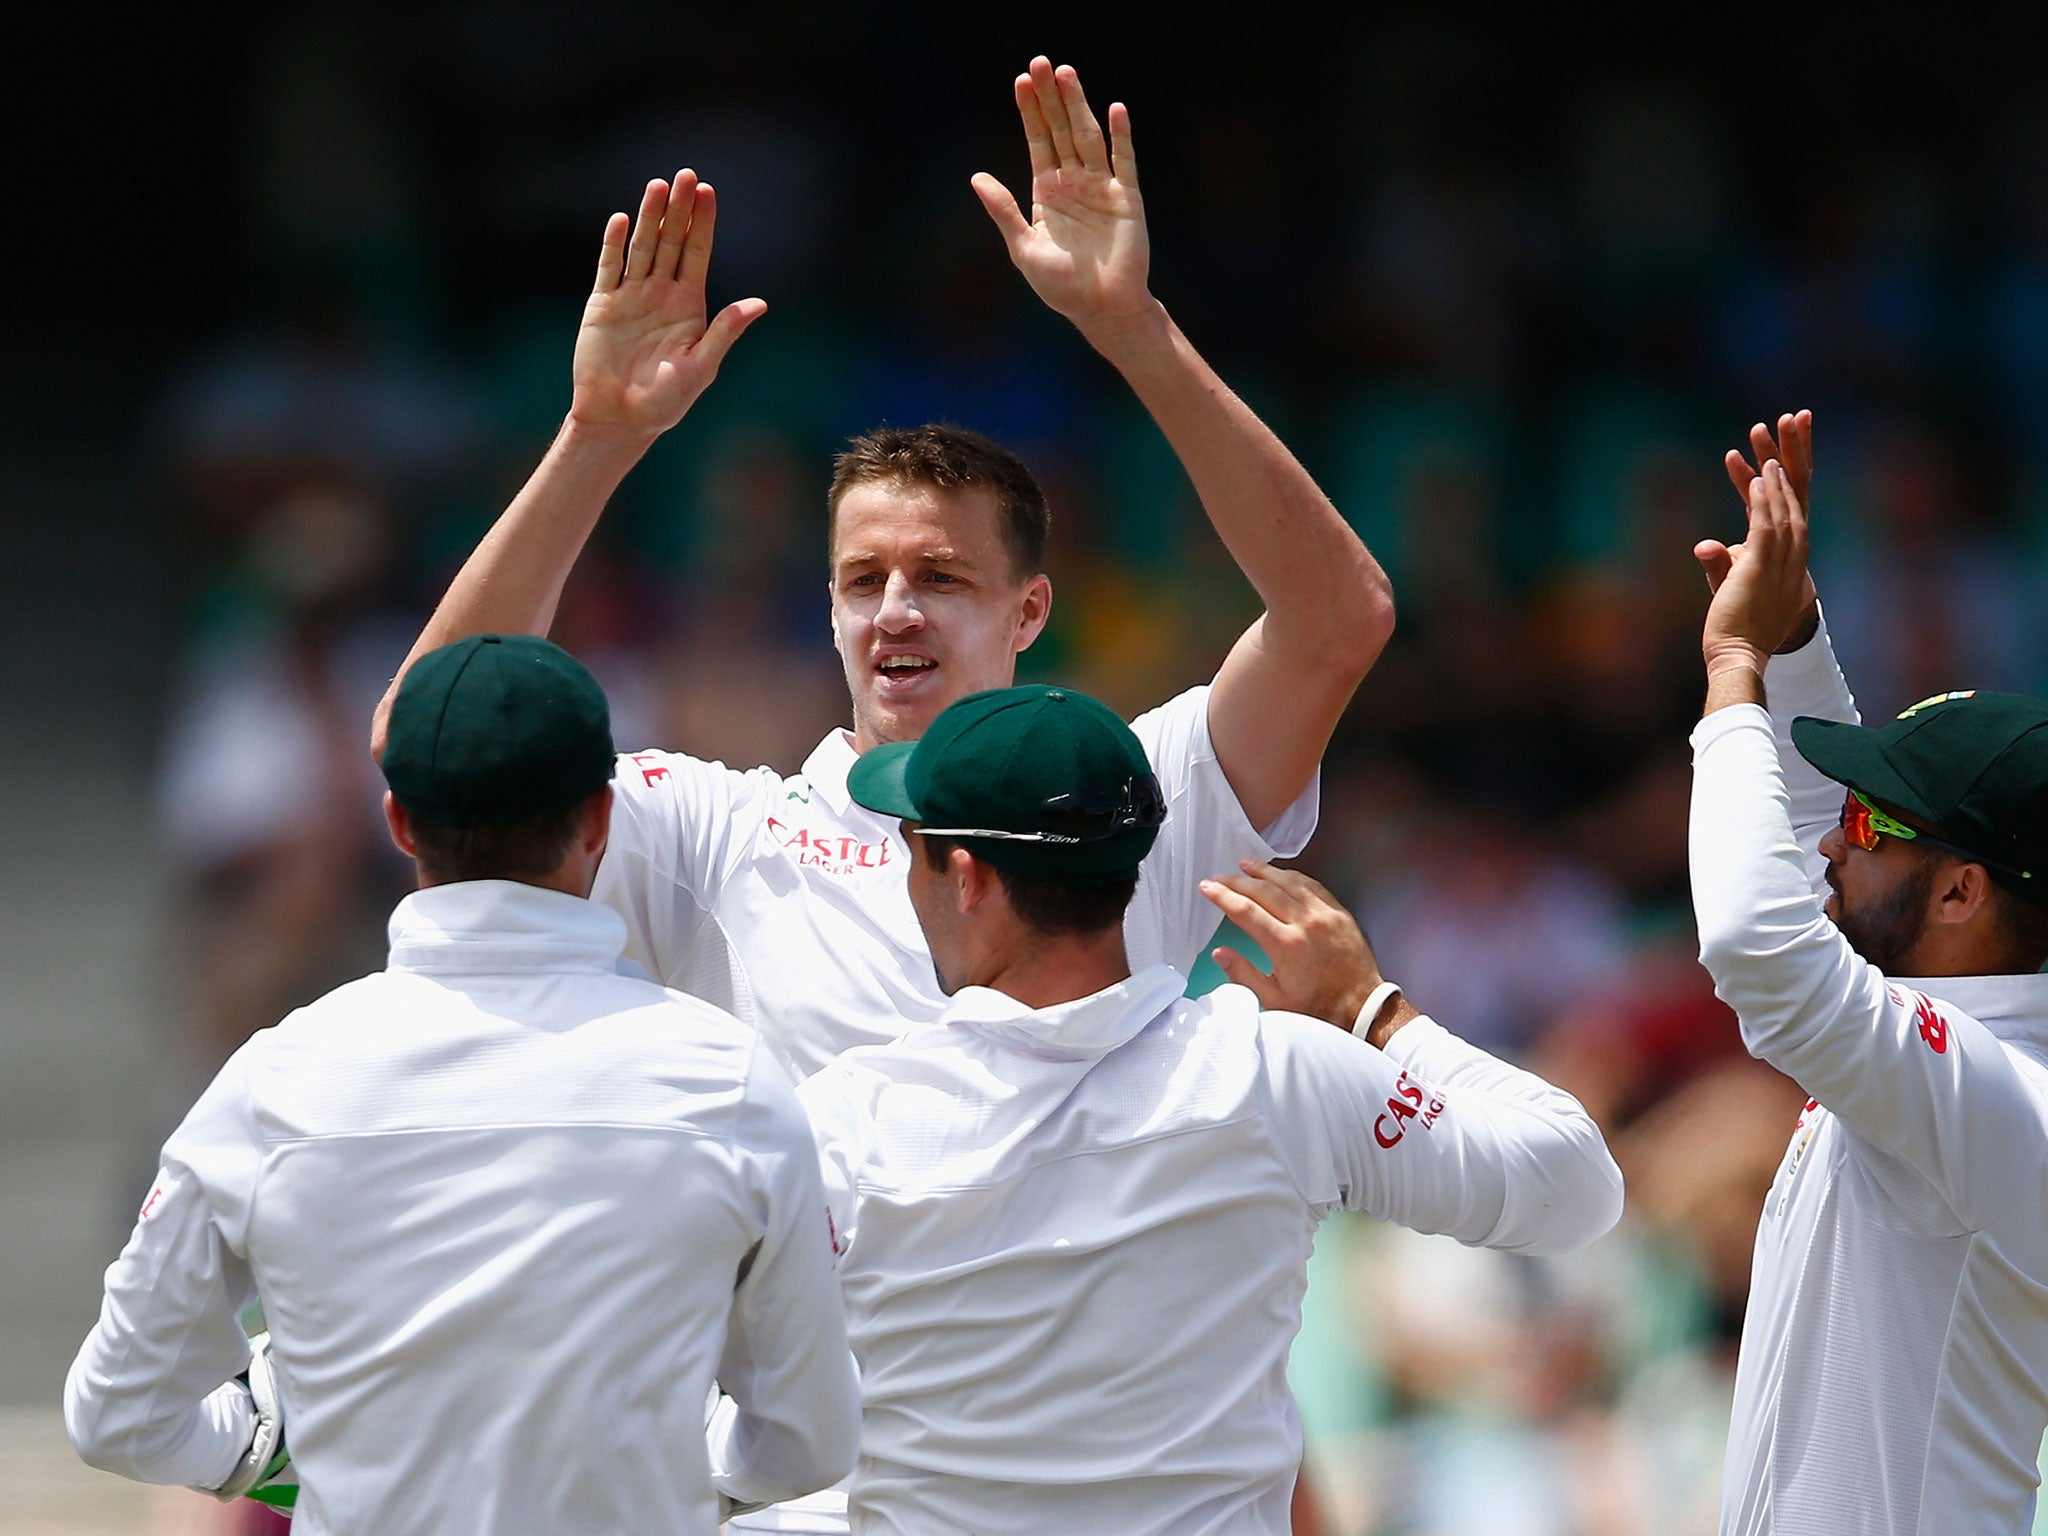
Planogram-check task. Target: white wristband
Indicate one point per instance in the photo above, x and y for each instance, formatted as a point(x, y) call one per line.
point(1375, 1000)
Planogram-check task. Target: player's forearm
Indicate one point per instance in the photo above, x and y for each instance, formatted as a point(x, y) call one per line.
point(1559, 1187)
point(513, 582)
point(1329, 606)
point(1806, 680)
point(756, 1461)
point(130, 1427)
point(1775, 959)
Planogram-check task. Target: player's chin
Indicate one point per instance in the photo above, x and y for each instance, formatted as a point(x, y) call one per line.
point(905, 714)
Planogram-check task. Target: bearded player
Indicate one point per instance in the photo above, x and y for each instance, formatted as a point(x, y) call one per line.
point(1873, 904)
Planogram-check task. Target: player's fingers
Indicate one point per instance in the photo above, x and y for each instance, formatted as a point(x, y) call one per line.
point(1123, 159)
point(726, 327)
point(1795, 436)
point(1760, 505)
point(1047, 89)
point(611, 256)
point(1245, 974)
point(1272, 897)
point(1247, 907)
point(1002, 207)
point(696, 257)
point(1739, 472)
point(1088, 140)
point(1762, 446)
point(1305, 891)
point(675, 224)
point(1795, 515)
point(1715, 562)
point(1242, 972)
point(646, 229)
point(1037, 137)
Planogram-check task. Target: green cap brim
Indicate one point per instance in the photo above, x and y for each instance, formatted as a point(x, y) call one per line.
point(876, 780)
point(1853, 755)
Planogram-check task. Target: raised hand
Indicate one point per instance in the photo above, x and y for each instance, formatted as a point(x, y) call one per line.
point(1322, 964)
point(1764, 587)
point(1084, 249)
point(645, 351)
point(1793, 452)
point(1793, 449)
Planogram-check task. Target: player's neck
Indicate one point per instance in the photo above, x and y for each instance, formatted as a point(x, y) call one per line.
point(1046, 972)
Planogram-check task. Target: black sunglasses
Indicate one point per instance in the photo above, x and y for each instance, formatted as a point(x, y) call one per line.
point(1082, 815)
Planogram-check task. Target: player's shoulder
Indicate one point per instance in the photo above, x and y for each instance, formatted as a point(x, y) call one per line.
point(651, 777)
point(1178, 724)
point(675, 1023)
point(336, 1014)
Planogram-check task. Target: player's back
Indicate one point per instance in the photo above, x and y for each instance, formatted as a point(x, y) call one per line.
point(501, 1206)
point(1078, 1263)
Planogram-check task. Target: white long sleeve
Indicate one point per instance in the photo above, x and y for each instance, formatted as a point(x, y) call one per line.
point(787, 1368)
point(1916, 1075)
point(1437, 1135)
point(509, 1211)
point(1809, 682)
point(148, 1395)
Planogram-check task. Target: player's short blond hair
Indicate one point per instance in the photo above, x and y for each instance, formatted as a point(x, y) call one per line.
point(951, 458)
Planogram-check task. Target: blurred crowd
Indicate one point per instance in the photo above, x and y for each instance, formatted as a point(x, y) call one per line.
point(1513, 351)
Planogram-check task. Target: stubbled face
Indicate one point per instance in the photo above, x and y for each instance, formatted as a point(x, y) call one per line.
point(925, 605)
point(1878, 898)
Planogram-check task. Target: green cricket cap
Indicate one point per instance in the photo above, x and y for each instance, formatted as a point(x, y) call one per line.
point(1972, 765)
point(494, 729)
point(1040, 781)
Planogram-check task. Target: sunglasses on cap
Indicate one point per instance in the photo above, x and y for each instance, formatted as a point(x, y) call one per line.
point(1864, 825)
point(1082, 816)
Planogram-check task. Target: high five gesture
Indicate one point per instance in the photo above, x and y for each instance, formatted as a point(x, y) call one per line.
point(646, 350)
point(1084, 250)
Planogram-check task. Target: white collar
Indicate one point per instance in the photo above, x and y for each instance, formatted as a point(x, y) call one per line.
point(2013, 1008)
point(1088, 1026)
point(825, 770)
point(503, 925)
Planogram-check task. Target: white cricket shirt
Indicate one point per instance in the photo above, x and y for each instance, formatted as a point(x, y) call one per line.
point(785, 902)
point(1075, 1241)
point(1894, 1367)
point(508, 1211)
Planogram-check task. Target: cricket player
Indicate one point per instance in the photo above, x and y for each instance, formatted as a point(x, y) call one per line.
point(1076, 1210)
point(1873, 903)
point(508, 1206)
point(783, 898)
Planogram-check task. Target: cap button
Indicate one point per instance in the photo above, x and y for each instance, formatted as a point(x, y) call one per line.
point(1056, 695)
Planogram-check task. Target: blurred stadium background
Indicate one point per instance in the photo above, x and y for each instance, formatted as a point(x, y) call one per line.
point(294, 320)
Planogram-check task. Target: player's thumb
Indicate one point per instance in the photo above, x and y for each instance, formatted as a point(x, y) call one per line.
point(1245, 974)
point(1715, 561)
point(726, 327)
point(1002, 207)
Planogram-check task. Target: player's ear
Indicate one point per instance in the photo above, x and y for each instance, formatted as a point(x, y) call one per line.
point(399, 821)
point(1961, 892)
point(1033, 610)
point(972, 879)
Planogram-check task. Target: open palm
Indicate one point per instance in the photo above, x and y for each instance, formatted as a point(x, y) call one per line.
point(1084, 249)
point(647, 348)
